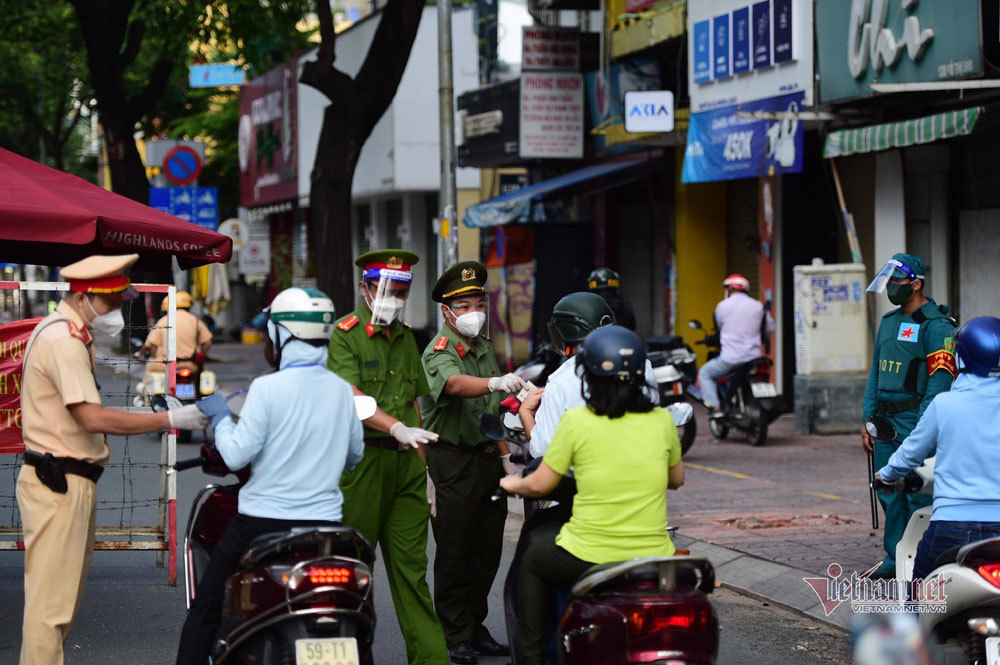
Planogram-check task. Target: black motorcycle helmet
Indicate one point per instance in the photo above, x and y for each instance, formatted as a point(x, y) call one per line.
point(603, 278)
point(613, 351)
point(575, 316)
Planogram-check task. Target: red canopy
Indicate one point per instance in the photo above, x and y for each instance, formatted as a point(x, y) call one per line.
point(48, 217)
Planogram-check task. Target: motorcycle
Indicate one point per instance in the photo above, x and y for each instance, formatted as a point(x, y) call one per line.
point(748, 400)
point(650, 610)
point(192, 384)
point(303, 596)
point(542, 363)
point(968, 630)
point(675, 367)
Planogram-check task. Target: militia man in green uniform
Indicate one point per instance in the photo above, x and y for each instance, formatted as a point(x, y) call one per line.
point(386, 496)
point(913, 360)
point(465, 466)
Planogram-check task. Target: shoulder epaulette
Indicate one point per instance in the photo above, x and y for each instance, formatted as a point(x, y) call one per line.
point(81, 334)
point(441, 344)
point(348, 323)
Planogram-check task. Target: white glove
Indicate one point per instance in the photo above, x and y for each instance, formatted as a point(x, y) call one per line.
point(508, 467)
point(431, 495)
point(508, 383)
point(411, 436)
point(188, 417)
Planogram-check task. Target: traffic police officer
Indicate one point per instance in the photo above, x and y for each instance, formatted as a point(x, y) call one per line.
point(913, 360)
point(193, 337)
point(66, 449)
point(465, 466)
point(386, 496)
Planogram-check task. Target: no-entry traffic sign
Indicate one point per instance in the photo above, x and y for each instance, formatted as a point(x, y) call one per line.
point(182, 165)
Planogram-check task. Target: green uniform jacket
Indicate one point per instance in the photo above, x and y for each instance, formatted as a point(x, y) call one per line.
point(381, 362)
point(906, 348)
point(456, 419)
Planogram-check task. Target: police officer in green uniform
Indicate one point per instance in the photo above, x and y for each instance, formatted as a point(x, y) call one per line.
point(913, 361)
point(386, 496)
point(465, 465)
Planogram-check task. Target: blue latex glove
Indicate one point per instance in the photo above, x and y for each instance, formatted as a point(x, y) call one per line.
point(214, 406)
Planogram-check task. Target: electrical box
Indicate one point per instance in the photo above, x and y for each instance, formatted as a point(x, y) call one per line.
point(830, 319)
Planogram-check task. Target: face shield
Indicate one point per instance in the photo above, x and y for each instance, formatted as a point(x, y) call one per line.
point(470, 315)
point(893, 269)
point(387, 291)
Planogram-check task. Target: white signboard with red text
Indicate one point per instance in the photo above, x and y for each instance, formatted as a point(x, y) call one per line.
point(551, 115)
point(548, 48)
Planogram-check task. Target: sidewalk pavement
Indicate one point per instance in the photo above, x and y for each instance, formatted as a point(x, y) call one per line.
point(766, 517)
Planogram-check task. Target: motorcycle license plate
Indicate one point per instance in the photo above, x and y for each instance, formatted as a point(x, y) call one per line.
point(185, 390)
point(763, 390)
point(329, 651)
point(993, 651)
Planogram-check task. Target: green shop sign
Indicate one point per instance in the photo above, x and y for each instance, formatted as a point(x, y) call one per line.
point(860, 42)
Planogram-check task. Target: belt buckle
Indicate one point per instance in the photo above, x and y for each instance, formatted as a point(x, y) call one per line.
point(402, 447)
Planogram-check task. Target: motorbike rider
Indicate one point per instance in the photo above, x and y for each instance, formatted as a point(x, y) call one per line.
point(961, 425)
point(605, 283)
point(193, 337)
point(573, 318)
point(913, 360)
point(740, 320)
point(299, 431)
point(620, 510)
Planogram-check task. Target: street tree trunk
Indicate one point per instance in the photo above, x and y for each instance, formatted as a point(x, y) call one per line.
point(356, 106)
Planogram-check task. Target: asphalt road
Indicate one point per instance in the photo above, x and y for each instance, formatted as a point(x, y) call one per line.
point(130, 615)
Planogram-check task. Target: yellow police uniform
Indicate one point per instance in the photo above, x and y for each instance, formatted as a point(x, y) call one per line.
point(59, 527)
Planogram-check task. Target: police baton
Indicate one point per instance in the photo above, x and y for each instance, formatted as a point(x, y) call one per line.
point(872, 492)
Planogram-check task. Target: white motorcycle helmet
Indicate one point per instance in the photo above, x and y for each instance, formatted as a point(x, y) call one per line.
point(305, 313)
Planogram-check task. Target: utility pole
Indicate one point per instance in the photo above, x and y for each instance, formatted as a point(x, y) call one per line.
point(447, 200)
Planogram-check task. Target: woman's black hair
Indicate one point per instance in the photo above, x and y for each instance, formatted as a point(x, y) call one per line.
point(613, 397)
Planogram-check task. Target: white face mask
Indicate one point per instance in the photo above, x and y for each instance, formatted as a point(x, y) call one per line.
point(110, 324)
point(470, 323)
point(386, 309)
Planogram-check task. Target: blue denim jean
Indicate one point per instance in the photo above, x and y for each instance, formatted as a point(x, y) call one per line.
point(941, 536)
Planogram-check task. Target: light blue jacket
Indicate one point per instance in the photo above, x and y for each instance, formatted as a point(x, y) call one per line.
point(299, 429)
point(964, 425)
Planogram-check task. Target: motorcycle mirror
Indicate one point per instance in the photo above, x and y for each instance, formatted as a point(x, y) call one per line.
point(161, 403)
point(880, 428)
point(365, 406)
point(491, 427)
point(694, 324)
point(681, 412)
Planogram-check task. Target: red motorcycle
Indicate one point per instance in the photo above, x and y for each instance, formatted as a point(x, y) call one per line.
point(651, 610)
point(303, 596)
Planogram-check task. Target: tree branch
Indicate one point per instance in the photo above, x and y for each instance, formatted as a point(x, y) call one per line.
point(72, 124)
point(133, 43)
point(327, 34)
point(158, 80)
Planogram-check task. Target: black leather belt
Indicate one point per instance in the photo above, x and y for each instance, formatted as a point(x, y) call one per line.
point(481, 448)
point(890, 408)
point(51, 471)
point(387, 443)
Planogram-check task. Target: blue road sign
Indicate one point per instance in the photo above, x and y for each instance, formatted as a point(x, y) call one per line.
point(198, 205)
point(215, 75)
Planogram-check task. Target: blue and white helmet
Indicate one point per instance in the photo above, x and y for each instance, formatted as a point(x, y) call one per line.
point(306, 313)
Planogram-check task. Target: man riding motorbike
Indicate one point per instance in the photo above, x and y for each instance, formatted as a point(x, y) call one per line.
point(573, 318)
point(193, 337)
point(605, 282)
point(299, 430)
point(962, 426)
point(740, 320)
point(625, 454)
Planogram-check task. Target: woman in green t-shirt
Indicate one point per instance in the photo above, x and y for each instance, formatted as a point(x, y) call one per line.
point(625, 454)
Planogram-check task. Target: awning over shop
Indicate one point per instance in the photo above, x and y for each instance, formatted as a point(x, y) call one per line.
point(901, 134)
point(520, 205)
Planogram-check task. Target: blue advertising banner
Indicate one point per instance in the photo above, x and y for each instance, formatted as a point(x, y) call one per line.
point(720, 46)
point(762, 35)
point(783, 31)
point(741, 40)
point(702, 51)
point(721, 145)
point(212, 76)
point(198, 205)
